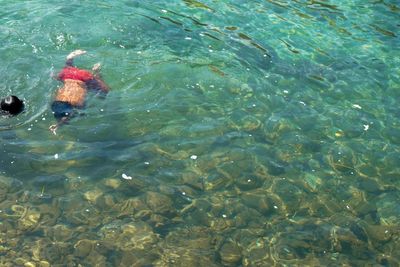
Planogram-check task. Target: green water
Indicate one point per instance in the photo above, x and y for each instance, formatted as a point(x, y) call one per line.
point(236, 133)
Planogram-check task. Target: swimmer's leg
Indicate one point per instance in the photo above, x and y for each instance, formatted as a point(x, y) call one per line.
point(63, 112)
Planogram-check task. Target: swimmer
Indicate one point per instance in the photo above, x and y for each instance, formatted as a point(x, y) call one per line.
point(72, 94)
point(11, 105)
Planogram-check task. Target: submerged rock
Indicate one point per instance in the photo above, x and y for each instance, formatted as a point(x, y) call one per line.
point(193, 246)
point(112, 183)
point(342, 159)
point(49, 181)
point(45, 251)
point(129, 235)
point(59, 232)
point(9, 185)
point(256, 254)
point(134, 207)
point(230, 253)
point(83, 248)
point(4, 188)
point(93, 195)
point(159, 203)
point(30, 220)
point(389, 209)
point(258, 201)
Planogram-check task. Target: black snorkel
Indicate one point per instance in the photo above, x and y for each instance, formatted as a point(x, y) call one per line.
point(11, 105)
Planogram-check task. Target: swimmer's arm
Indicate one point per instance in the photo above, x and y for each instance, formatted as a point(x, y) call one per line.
point(97, 83)
point(72, 55)
point(76, 53)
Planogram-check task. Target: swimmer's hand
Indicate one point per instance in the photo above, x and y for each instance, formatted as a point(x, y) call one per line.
point(76, 53)
point(96, 67)
point(53, 128)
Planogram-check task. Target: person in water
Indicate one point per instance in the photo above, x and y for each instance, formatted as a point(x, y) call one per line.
point(11, 105)
point(72, 94)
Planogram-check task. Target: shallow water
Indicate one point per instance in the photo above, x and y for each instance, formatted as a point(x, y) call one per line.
point(236, 133)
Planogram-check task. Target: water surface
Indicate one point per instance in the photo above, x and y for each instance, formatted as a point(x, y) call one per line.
point(236, 133)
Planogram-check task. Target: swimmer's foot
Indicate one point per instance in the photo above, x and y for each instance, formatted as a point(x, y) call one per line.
point(96, 67)
point(76, 53)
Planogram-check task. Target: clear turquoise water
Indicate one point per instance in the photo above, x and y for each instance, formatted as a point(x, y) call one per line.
point(255, 133)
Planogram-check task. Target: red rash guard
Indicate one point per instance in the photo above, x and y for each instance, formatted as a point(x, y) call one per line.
point(75, 74)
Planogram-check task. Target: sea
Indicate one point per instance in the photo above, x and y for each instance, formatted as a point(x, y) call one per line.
point(235, 133)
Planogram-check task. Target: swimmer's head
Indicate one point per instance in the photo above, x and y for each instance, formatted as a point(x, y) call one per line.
point(12, 105)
